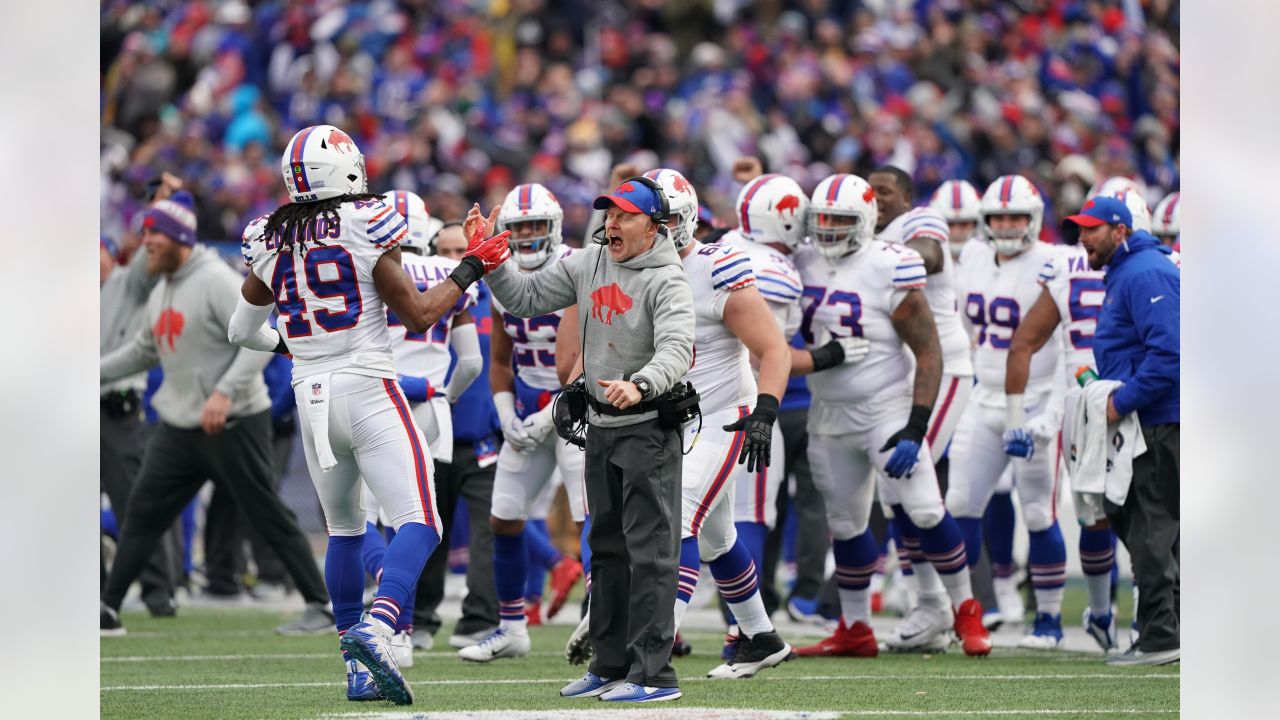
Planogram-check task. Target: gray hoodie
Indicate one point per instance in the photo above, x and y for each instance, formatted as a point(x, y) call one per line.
point(120, 313)
point(184, 328)
point(636, 316)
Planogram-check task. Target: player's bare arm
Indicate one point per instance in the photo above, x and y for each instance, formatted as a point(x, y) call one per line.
point(914, 322)
point(929, 249)
point(501, 377)
point(568, 347)
point(1033, 332)
point(417, 310)
point(747, 316)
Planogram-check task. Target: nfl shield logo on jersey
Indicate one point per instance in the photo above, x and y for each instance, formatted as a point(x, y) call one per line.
point(315, 389)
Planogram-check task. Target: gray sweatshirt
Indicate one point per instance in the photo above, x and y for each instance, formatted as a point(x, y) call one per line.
point(120, 313)
point(184, 328)
point(636, 316)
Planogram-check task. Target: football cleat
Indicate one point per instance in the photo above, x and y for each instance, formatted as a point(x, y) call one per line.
point(461, 640)
point(1134, 657)
point(1045, 633)
point(423, 641)
point(402, 649)
point(877, 602)
point(369, 641)
point(589, 685)
point(578, 650)
point(501, 643)
point(974, 637)
point(1102, 629)
point(900, 599)
point(532, 613)
point(753, 654)
point(856, 641)
point(360, 684)
point(924, 628)
point(631, 692)
point(804, 610)
point(680, 648)
point(563, 577)
point(317, 619)
point(109, 621)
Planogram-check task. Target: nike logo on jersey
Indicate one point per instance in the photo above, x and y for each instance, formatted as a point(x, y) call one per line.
point(1156, 299)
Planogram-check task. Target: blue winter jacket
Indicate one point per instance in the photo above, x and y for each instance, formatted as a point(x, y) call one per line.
point(1138, 340)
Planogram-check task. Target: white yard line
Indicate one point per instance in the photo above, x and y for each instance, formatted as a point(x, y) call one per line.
point(650, 712)
point(782, 678)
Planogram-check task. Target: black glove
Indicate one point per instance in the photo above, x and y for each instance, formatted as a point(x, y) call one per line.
point(906, 443)
point(827, 356)
point(759, 433)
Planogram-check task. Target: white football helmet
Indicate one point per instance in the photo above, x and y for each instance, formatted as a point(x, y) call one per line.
point(414, 211)
point(524, 205)
point(772, 209)
point(1166, 221)
point(682, 202)
point(1113, 187)
point(1011, 195)
point(957, 200)
point(322, 162)
point(842, 215)
point(1137, 208)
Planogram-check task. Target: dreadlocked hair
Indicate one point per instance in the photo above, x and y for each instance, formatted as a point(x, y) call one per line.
point(295, 223)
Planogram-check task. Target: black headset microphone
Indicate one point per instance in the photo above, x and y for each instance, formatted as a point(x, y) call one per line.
point(661, 217)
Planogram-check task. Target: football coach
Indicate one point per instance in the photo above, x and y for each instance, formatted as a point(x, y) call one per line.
point(1138, 344)
point(637, 344)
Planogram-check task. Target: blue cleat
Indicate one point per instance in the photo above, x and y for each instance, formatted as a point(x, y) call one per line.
point(1044, 634)
point(370, 642)
point(1102, 629)
point(631, 692)
point(589, 685)
point(360, 684)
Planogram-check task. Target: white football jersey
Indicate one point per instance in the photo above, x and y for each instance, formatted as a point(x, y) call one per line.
point(995, 296)
point(331, 315)
point(533, 340)
point(856, 296)
point(777, 279)
point(1078, 291)
point(721, 371)
point(941, 294)
point(426, 354)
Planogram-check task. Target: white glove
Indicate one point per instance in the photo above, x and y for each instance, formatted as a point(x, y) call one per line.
point(1044, 426)
point(540, 424)
point(854, 348)
point(512, 426)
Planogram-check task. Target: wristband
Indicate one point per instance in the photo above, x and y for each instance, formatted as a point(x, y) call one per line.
point(1014, 415)
point(919, 420)
point(827, 356)
point(469, 270)
point(766, 407)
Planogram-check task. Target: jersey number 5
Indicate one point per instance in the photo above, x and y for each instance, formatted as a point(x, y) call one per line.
point(341, 284)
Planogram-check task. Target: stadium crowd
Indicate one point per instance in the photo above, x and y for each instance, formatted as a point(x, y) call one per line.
point(461, 102)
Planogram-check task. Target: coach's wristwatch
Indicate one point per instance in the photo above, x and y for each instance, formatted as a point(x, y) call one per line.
point(642, 385)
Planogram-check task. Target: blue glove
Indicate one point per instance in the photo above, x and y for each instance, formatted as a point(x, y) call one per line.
point(417, 389)
point(1019, 443)
point(906, 443)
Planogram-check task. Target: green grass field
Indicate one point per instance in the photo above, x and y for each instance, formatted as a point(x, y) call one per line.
point(230, 664)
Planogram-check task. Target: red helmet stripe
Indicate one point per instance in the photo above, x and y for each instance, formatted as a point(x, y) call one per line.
point(833, 190)
point(295, 159)
point(525, 197)
point(956, 200)
point(1168, 210)
point(1006, 189)
point(746, 200)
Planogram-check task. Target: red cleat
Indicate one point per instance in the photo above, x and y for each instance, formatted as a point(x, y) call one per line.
point(856, 641)
point(974, 637)
point(532, 613)
point(877, 602)
point(563, 576)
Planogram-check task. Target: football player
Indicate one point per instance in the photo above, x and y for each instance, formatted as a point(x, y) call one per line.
point(529, 362)
point(1166, 221)
point(872, 415)
point(422, 363)
point(958, 202)
point(998, 284)
point(330, 262)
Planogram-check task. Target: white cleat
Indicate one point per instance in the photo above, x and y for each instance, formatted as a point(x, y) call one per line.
point(1009, 601)
point(501, 643)
point(402, 649)
point(1102, 629)
point(923, 629)
point(461, 640)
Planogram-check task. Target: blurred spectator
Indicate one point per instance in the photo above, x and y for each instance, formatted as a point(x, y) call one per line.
point(463, 100)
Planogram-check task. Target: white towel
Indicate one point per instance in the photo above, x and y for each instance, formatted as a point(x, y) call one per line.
point(1099, 455)
point(435, 417)
point(316, 390)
